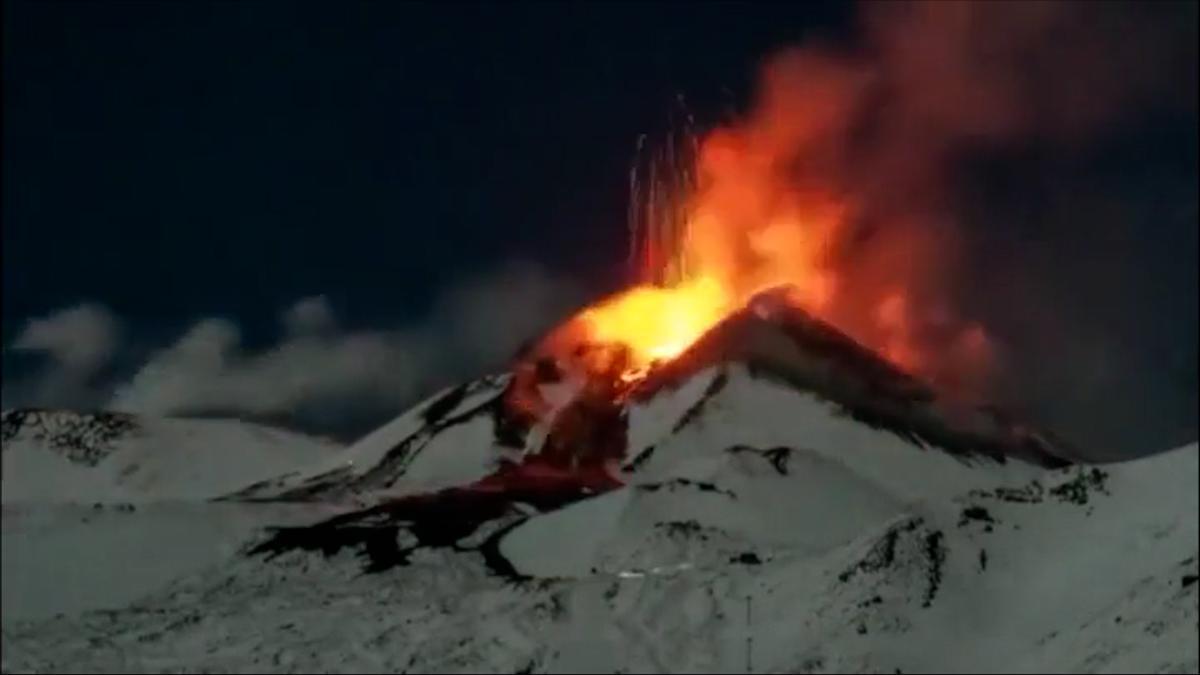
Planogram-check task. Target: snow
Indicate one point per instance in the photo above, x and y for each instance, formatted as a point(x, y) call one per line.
point(371, 455)
point(653, 420)
point(161, 458)
point(574, 533)
point(765, 531)
point(67, 558)
point(764, 414)
point(461, 454)
point(100, 511)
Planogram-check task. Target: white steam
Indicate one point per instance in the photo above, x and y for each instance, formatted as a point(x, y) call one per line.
point(314, 368)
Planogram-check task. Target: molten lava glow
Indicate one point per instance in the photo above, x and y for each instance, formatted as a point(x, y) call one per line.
point(658, 323)
point(731, 246)
point(762, 203)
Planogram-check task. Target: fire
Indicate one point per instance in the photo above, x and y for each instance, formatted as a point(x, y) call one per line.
point(716, 227)
point(772, 201)
point(658, 323)
point(708, 254)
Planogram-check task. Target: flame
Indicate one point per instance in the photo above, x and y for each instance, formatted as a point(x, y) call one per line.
point(762, 203)
point(711, 253)
point(658, 323)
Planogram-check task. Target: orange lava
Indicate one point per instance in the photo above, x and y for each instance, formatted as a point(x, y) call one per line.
point(658, 323)
point(752, 208)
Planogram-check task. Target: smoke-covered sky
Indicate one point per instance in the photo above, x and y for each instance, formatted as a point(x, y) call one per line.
point(316, 212)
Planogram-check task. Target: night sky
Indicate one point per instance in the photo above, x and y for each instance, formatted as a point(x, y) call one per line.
point(179, 160)
point(182, 158)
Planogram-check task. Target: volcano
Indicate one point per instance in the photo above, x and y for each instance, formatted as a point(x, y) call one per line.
point(774, 497)
point(476, 454)
point(600, 429)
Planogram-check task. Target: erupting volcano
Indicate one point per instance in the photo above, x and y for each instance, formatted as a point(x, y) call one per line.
point(718, 221)
point(759, 252)
point(772, 447)
point(747, 208)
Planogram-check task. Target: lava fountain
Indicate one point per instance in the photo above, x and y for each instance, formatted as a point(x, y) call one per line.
point(717, 218)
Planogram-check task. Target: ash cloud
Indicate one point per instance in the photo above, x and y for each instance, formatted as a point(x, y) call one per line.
point(1031, 166)
point(317, 376)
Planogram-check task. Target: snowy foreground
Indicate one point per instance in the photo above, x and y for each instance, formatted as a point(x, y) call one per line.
point(759, 529)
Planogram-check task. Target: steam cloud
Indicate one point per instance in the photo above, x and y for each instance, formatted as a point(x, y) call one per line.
point(79, 343)
point(317, 376)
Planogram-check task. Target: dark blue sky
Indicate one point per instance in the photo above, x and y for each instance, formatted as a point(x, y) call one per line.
point(174, 159)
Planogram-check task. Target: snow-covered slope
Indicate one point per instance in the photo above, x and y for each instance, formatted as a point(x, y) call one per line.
point(100, 508)
point(1089, 573)
point(773, 510)
point(443, 441)
point(68, 558)
point(63, 456)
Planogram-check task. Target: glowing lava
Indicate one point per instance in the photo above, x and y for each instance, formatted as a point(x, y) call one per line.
point(709, 254)
point(658, 323)
point(758, 205)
